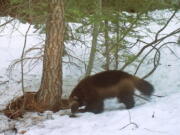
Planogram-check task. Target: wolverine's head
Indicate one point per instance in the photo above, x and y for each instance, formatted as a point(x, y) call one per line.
point(74, 104)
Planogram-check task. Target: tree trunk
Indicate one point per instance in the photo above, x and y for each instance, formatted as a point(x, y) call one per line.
point(106, 37)
point(117, 45)
point(94, 40)
point(50, 91)
point(93, 49)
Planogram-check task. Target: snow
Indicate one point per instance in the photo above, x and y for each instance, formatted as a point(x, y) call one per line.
point(160, 116)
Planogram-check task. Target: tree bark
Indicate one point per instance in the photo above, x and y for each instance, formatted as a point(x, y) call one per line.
point(50, 91)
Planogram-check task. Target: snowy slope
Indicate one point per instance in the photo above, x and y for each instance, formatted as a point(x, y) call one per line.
point(154, 118)
point(160, 116)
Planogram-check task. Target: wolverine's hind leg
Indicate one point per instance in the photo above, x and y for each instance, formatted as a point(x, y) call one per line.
point(127, 99)
point(126, 92)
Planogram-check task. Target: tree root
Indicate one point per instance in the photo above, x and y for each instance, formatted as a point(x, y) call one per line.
point(27, 103)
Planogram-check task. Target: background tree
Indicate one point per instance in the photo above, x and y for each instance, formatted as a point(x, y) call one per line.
point(95, 25)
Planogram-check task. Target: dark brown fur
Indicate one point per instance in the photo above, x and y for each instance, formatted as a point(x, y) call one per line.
point(92, 90)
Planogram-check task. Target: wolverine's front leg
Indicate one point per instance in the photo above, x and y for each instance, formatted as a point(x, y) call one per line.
point(95, 106)
point(74, 106)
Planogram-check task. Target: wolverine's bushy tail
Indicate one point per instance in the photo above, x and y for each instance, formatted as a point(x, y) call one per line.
point(144, 86)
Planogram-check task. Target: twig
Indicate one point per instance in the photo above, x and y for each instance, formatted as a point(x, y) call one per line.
point(141, 97)
point(130, 122)
point(143, 59)
point(3, 82)
point(22, 69)
point(156, 41)
point(173, 52)
point(6, 22)
point(156, 37)
point(157, 96)
point(155, 64)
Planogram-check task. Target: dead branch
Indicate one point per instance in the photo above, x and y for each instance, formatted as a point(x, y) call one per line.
point(34, 49)
point(142, 97)
point(142, 60)
point(157, 41)
point(73, 57)
point(173, 52)
point(157, 56)
point(3, 82)
point(9, 21)
point(168, 21)
point(150, 52)
point(157, 96)
point(22, 66)
point(158, 59)
point(17, 61)
point(22, 56)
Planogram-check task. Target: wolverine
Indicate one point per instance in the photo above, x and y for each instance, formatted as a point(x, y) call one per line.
point(94, 89)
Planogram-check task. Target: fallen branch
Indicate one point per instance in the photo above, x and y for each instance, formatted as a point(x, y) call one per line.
point(130, 122)
point(158, 96)
point(6, 22)
point(142, 97)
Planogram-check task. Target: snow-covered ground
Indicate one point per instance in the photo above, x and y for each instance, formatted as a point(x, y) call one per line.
point(155, 118)
point(158, 117)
